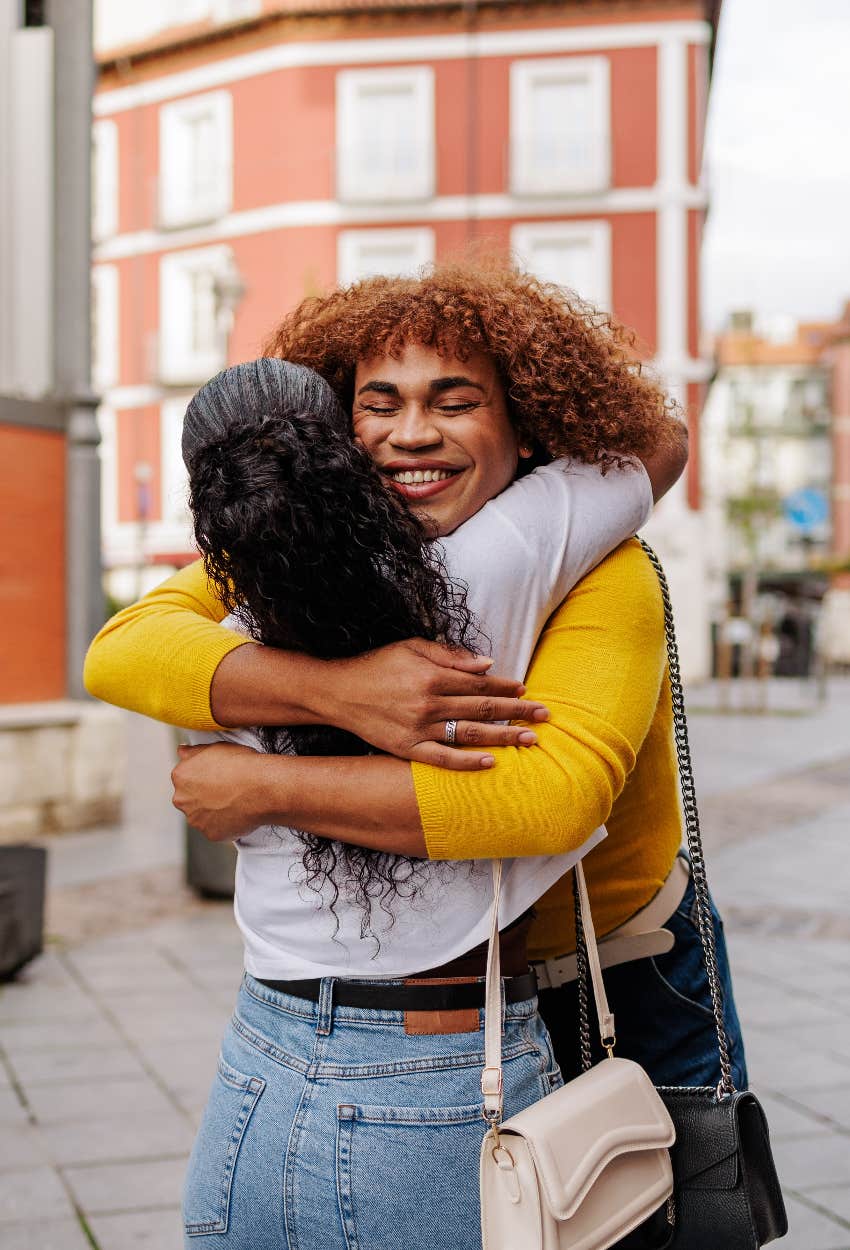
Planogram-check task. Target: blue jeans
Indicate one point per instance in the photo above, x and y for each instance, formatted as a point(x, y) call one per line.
point(662, 1008)
point(333, 1129)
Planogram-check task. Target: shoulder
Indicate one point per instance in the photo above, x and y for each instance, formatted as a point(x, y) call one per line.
point(624, 584)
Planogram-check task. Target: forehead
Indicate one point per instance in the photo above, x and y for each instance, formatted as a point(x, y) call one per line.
point(419, 365)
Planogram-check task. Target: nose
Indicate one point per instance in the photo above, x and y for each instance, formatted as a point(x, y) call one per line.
point(414, 430)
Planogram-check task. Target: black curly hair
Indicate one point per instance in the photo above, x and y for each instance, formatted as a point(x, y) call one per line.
point(312, 551)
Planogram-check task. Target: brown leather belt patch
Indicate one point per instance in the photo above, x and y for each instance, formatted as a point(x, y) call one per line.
point(451, 1020)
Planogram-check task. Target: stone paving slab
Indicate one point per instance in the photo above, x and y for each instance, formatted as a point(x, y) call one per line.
point(33, 1189)
point(97, 1100)
point(75, 1064)
point(117, 1187)
point(148, 1230)
point(117, 1139)
point(46, 1235)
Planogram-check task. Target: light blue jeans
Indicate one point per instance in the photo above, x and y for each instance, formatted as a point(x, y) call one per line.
point(331, 1128)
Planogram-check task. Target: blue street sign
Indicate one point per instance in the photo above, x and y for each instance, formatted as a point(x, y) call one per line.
point(806, 509)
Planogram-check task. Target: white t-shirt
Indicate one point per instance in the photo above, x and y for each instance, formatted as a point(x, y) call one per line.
point(519, 556)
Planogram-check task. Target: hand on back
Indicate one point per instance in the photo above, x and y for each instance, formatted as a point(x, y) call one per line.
point(399, 697)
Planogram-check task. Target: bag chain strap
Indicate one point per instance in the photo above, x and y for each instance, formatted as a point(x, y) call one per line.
point(695, 852)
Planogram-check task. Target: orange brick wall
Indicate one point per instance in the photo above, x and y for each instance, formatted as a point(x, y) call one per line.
point(32, 565)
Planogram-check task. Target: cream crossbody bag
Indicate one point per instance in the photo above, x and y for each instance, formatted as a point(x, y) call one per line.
point(585, 1165)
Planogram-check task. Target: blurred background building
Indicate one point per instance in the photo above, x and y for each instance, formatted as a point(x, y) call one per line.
point(250, 152)
point(60, 755)
point(776, 483)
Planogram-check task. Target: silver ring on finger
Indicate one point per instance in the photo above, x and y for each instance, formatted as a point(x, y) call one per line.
point(450, 735)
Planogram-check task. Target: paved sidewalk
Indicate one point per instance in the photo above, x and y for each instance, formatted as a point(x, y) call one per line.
point(108, 1042)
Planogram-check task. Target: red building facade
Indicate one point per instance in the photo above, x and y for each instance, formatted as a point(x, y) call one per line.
point(278, 154)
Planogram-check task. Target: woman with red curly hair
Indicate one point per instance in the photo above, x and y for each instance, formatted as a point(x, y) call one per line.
point(457, 383)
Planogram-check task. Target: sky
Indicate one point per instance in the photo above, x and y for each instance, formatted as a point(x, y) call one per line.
point(778, 161)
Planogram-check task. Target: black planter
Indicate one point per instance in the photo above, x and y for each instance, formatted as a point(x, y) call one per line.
point(210, 866)
point(23, 876)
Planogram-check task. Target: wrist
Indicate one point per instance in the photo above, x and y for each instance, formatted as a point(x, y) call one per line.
point(267, 787)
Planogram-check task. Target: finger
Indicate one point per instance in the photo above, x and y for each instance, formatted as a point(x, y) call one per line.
point(450, 758)
point(452, 681)
point(475, 734)
point(484, 710)
point(452, 657)
point(186, 753)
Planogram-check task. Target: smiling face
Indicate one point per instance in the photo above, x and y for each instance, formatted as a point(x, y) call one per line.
point(438, 427)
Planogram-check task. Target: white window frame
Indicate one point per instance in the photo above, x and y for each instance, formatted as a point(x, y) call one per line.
point(106, 327)
point(526, 179)
point(104, 179)
point(235, 10)
point(355, 184)
point(351, 244)
point(174, 480)
point(180, 363)
point(176, 204)
point(595, 234)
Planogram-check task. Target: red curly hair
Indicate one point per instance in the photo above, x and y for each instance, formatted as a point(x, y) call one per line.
point(573, 383)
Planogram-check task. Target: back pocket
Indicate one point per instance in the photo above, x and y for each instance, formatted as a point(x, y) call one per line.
point(206, 1195)
point(408, 1177)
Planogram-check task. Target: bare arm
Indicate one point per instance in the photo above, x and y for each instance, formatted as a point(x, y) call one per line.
point(665, 464)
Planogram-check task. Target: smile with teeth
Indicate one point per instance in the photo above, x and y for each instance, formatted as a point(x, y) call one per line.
point(410, 477)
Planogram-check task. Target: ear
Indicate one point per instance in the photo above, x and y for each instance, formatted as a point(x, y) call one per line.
point(526, 452)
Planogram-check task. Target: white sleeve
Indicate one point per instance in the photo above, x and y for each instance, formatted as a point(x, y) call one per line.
point(523, 552)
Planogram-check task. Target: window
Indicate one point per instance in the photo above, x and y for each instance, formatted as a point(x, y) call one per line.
point(173, 477)
point(195, 144)
point(191, 342)
point(363, 253)
point(385, 134)
point(235, 10)
point(104, 326)
point(576, 255)
point(104, 173)
point(560, 126)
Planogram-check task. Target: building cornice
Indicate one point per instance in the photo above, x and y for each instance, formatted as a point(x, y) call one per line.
point(190, 37)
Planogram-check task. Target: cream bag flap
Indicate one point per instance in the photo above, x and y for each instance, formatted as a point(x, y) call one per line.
point(611, 1110)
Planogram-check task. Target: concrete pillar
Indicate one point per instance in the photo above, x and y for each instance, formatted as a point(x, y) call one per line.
point(71, 21)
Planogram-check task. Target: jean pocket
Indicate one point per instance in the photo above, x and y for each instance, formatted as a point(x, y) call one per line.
point(407, 1177)
point(206, 1195)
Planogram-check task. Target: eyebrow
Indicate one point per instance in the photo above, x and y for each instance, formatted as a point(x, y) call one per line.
point(437, 386)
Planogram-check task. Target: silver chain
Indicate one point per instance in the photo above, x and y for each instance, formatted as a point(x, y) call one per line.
point(692, 826)
point(581, 981)
point(695, 851)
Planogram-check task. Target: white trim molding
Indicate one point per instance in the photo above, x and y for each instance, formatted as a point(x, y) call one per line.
point(364, 253)
point(341, 52)
point(385, 134)
point(104, 170)
point(106, 326)
point(296, 214)
point(560, 125)
point(195, 159)
point(191, 345)
point(575, 255)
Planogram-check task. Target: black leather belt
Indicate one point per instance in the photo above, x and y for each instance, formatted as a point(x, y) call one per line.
point(409, 997)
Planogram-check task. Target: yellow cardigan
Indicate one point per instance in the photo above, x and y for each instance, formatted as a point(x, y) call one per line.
point(604, 757)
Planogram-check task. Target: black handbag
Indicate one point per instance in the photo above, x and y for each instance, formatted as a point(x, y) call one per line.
point(726, 1194)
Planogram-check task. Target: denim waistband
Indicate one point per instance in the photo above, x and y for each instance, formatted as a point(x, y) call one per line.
point(325, 1011)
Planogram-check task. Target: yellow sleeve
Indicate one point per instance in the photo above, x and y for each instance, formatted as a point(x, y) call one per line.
point(598, 667)
point(159, 656)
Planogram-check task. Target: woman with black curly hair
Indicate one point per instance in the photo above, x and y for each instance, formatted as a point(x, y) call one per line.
point(313, 549)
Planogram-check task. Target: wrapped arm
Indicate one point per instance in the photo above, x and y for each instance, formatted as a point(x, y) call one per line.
point(600, 664)
point(159, 656)
point(598, 667)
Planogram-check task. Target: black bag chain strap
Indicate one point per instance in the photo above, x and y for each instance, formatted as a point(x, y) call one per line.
point(695, 852)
